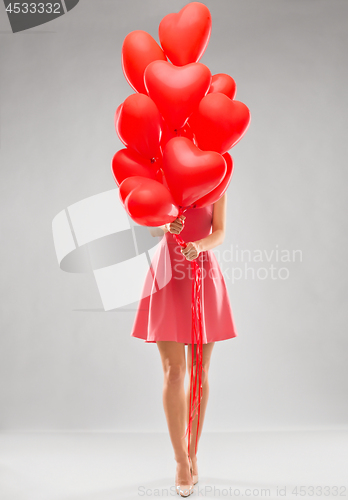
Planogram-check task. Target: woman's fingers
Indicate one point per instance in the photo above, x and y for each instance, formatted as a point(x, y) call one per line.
point(176, 226)
point(190, 252)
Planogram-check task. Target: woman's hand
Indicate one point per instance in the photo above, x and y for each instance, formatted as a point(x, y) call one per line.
point(191, 251)
point(176, 226)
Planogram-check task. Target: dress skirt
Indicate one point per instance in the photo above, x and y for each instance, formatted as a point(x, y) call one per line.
point(164, 311)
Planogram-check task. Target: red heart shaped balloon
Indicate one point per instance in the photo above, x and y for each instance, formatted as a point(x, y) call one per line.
point(149, 203)
point(117, 114)
point(191, 173)
point(139, 125)
point(219, 123)
point(219, 191)
point(184, 36)
point(127, 187)
point(127, 163)
point(138, 50)
point(176, 91)
point(224, 84)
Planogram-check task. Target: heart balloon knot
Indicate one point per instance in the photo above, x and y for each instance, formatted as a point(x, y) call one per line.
point(153, 160)
point(183, 209)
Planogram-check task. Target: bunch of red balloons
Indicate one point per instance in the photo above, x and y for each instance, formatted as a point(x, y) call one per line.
point(179, 125)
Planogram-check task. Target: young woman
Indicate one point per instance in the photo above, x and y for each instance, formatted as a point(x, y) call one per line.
point(164, 317)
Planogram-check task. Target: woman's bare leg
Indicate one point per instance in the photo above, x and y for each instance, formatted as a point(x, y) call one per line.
point(207, 351)
point(174, 403)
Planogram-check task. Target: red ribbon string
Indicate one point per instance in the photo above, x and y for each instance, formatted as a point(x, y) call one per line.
point(196, 337)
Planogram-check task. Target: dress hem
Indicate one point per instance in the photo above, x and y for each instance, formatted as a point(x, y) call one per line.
point(186, 343)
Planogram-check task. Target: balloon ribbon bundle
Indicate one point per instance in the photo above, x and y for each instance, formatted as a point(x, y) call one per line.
point(196, 338)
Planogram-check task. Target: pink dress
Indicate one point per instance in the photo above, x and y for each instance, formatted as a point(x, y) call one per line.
point(164, 311)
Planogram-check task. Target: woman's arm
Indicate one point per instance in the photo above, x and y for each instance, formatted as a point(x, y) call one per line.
point(157, 231)
point(217, 235)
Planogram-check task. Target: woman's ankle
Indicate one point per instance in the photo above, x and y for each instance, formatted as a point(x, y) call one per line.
point(181, 458)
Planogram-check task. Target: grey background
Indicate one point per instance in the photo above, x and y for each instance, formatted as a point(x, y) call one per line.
point(65, 364)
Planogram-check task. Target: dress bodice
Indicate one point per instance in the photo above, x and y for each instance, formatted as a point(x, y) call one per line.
point(198, 224)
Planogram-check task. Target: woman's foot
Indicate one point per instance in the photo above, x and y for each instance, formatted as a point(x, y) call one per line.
point(183, 479)
point(194, 469)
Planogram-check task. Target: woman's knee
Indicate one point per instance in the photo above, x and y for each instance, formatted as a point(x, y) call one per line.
point(174, 373)
point(204, 375)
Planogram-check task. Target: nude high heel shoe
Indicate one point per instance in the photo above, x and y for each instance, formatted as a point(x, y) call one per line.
point(194, 476)
point(184, 490)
